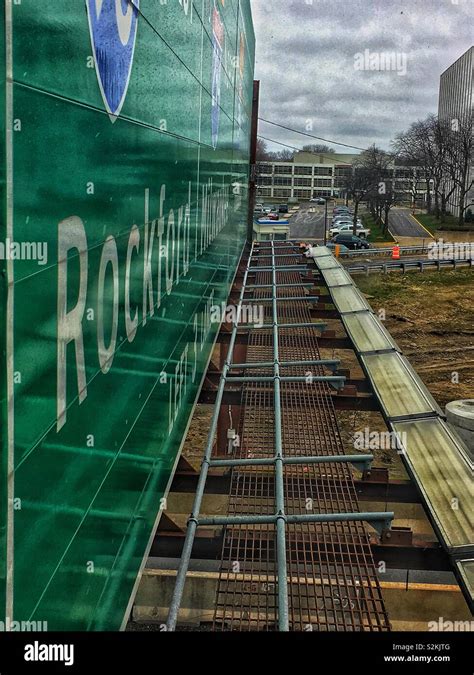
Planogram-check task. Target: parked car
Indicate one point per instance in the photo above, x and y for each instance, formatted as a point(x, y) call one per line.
point(273, 215)
point(339, 228)
point(342, 248)
point(345, 221)
point(283, 208)
point(340, 223)
point(341, 212)
point(344, 216)
point(350, 241)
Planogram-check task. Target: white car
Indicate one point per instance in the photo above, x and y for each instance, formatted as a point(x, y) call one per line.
point(349, 221)
point(348, 227)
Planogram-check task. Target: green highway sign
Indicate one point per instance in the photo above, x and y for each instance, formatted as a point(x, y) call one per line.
point(125, 157)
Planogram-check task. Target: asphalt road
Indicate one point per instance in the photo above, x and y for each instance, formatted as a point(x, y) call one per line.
point(402, 224)
point(308, 222)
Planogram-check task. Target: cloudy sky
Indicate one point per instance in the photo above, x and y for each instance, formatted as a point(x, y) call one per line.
point(306, 61)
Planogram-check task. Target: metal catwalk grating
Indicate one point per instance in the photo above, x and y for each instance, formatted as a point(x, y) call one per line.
point(296, 555)
point(332, 581)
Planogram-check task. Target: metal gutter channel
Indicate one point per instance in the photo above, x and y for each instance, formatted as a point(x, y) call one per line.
point(433, 455)
point(347, 299)
point(399, 392)
point(446, 477)
point(367, 334)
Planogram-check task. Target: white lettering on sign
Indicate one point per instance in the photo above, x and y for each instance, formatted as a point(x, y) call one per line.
point(168, 237)
point(109, 255)
point(131, 324)
point(71, 236)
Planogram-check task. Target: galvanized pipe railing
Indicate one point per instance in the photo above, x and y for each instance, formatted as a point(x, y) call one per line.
point(289, 268)
point(298, 298)
point(363, 460)
point(259, 326)
point(381, 520)
point(254, 287)
point(280, 519)
point(336, 381)
point(283, 613)
point(330, 363)
point(193, 522)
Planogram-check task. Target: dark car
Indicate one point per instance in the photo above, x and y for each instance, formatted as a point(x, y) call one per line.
point(283, 208)
point(350, 241)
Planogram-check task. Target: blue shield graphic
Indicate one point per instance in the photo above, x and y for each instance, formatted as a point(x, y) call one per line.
point(113, 29)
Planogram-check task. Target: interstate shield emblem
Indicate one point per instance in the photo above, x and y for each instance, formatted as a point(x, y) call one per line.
point(113, 30)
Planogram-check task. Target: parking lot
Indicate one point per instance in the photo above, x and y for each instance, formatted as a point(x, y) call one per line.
point(307, 223)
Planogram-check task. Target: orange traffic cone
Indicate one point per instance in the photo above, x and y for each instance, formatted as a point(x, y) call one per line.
point(396, 253)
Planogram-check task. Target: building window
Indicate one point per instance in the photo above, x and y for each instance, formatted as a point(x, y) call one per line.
point(283, 168)
point(404, 173)
point(304, 182)
point(322, 193)
point(282, 180)
point(281, 192)
point(303, 194)
point(264, 192)
point(322, 182)
point(303, 170)
point(264, 168)
point(323, 170)
point(342, 171)
point(264, 180)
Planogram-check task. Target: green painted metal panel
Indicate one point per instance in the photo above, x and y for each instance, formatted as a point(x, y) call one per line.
point(130, 150)
point(3, 303)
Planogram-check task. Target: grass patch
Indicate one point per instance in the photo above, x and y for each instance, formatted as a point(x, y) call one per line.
point(388, 286)
point(451, 223)
point(376, 234)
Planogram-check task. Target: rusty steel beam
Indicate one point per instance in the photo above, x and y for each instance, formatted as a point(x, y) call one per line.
point(401, 492)
point(417, 556)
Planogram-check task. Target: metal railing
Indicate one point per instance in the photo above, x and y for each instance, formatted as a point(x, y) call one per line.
point(406, 265)
point(280, 519)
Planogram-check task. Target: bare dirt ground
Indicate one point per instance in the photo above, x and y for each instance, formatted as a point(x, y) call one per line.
point(431, 317)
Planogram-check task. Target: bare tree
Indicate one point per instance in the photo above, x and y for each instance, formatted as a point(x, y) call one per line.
point(444, 150)
point(266, 155)
point(369, 181)
point(417, 148)
point(284, 155)
point(262, 150)
point(318, 148)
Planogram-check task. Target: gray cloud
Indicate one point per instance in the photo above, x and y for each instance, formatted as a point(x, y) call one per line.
point(306, 54)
